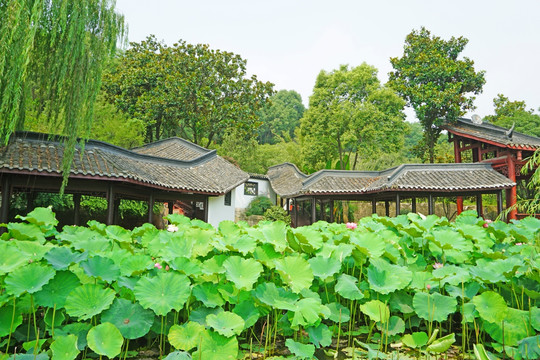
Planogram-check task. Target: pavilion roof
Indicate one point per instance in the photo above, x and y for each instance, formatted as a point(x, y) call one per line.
point(288, 181)
point(172, 164)
point(493, 134)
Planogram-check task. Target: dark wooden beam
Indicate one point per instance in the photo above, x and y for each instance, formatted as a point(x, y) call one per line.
point(500, 203)
point(398, 207)
point(151, 208)
point(373, 206)
point(413, 204)
point(30, 197)
point(76, 209)
point(431, 205)
point(110, 205)
point(387, 207)
point(331, 211)
point(313, 210)
point(479, 207)
point(6, 199)
point(170, 206)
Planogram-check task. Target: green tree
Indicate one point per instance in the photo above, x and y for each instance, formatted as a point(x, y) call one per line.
point(351, 115)
point(434, 82)
point(508, 113)
point(281, 116)
point(186, 90)
point(51, 59)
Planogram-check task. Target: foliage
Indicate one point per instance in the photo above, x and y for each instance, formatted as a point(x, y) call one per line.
point(186, 90)
point(53, 64)
point(280, 117)
point(259, 205)
point(532, 167)
point(351, 115)
point(277, 213)
point(434, 82)
point(508, 113)
point(389, 281)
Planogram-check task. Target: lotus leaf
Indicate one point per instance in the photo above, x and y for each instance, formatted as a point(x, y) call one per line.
point(82, 238)
point(7, 314)
point(442, 344)
point(275, 233)
point(433, 307)
point(30, 356)
point(451, 274)
point(307, 312)
point(118, 233)
point(214, 265)
point(190, 267)
point(324, 267)
point(54, 315)
point(226, 323)
point(516, 327)
point(199, 315)
point(242, 272)
point(385, 278)
point(346, 287)
point(176, 244)
point(23, 231)
point(529, 347)
point(201, 240)
point(186, 336)
point(338, 313)
point(88, 300)
point(178, 355)
point(468, 291)
point(64, 347)
point(376, 310)
point(478, 235)
point(247, 311)
point(33, 250)
point(342, 251)
point(78, 329)
point(30, 278)
point(266, 254)
point(395, 325)
point(42, 216)
point(415, 340)
point(101, 267)
point(535, 318)
point(131, 319)
point(276, 297)
point(490, 306)
point(105, 339)
point(178, 219)
point(495, 271)
point(369, 243)
point(320, 336)
point(135, 264)
point(301, 351)
point(401, 301)
point(164, 292)
point(295, 272)
point(62, 257)
point(208, 294)
point(11, 257)
point(309, 239)
point(214, 346)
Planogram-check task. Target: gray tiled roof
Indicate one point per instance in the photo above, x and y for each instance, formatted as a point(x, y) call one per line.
point(173, 148)
point(288, 181)
point(207, 173)
point(492, 133)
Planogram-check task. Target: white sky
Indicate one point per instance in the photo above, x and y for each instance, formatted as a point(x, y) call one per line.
point(289, 42)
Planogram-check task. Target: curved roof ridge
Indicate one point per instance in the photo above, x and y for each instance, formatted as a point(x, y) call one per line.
point(290, 165)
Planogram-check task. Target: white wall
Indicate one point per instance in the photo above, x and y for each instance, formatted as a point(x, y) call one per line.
point(218, 211)
point(242, 201)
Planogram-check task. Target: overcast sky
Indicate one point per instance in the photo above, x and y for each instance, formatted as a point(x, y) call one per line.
point(289, 42)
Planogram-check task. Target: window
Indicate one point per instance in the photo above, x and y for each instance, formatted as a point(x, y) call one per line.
point(251, 188)
point(228, 199)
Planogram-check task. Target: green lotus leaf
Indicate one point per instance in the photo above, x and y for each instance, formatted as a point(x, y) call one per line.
point(295, 272)
point(415, 340)
point(78, 329)
point(175, 245)
point(307, 312)
point(395, 325)
point(385, 278)
point(247, 311)
point(481, 353)
point(529, 348)
point(244, 244)
point(275, 233)
point(242, 272)
point(494, 271)
point(208, 294)
point(468, 291)
point(478, 235)
point(23, 231)
point(65, 347)
point(342, 251)
point(275, 297)
point(320, 336)
point(200, 313)
point(30, 278)
point(202, 240)
point(469, 312)
point(185, 336)
point(214, 346)
point(376, 310)
point(369, 243)
point(309, 239)
point(266, 254)
point(442, 344)
point(131, 319)
point(433, 307)
point(190, 267)
point(53, 315)
point(178, 219)
point(42, 216)
point(401, 301)
point(516, 327)
point(214, 265)
point(338, 313)
point(324, 267)
point(34, 345)
point(33, 250)
point(105, 339)
point(118, 233)
point(178, 355)
point(535, 317)
point(82, 238)
point(346, 287)
point(451, 274)
point(135, 264)
point(62, 257)
point(302, 351)
point(88, 300)
point(490, 306)
point(6, 315)
point(226, 323)
point(57, 290)
point(448, 239)
point(101, 267)
point(164, 292)
point(11, 257)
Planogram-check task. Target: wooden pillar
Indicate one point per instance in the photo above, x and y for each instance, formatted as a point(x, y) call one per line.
point(321, 211)
point(151, 208)
point(295, 213)
point(205, 204)
point(331, 211)
point(457, 156)
point(110, 205)
point(431, 207)
point(30, 197)
point(413, 204)
point(398, 207)
point(76, 209)
point(6, 199)
point(373, 206)
point(280, 201)
point(116, 211)
point(170, 205)
point(313, 210)
point(479, 208)
point(499, 202)
point(511, 194)
point(387, 207)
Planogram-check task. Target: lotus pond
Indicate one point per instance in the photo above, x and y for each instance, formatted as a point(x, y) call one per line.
point(385, 288)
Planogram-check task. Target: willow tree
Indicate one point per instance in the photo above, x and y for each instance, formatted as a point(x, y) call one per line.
point(51, 57)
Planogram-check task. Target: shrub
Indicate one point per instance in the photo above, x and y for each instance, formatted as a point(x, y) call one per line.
point(259, 205)
point(277, 213)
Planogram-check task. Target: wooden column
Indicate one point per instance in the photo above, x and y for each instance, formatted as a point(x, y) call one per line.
point(30, 197)
point(331, 211)
point(321, 211)
point(398, 207)
point(457, 157)
point(76, 209)
point(413, 204)
point(151, 208)
point(6, 199)
point(116, 220)
point(110, 205)
point(373, 206)
point(170, 205)
point(500, 203)
point(387, 207)
point(313, 210)
point(431, 207)
point(205, 204)
point(295, 213)
point(479, 207)
point(511, 194)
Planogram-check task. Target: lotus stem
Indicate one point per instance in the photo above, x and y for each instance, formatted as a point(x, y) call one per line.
point(11, 326)
point(53, 315)
point(127, 348)
point(338, 333)
point(34, 314)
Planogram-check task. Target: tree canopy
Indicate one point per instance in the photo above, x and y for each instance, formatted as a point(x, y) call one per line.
point(280, 117)
point(186, 90)
point(433, 81)
point(508, 113)
point(350, 115)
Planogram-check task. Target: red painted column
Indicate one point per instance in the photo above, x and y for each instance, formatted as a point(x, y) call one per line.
point(511, 194)
point(457, 157)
